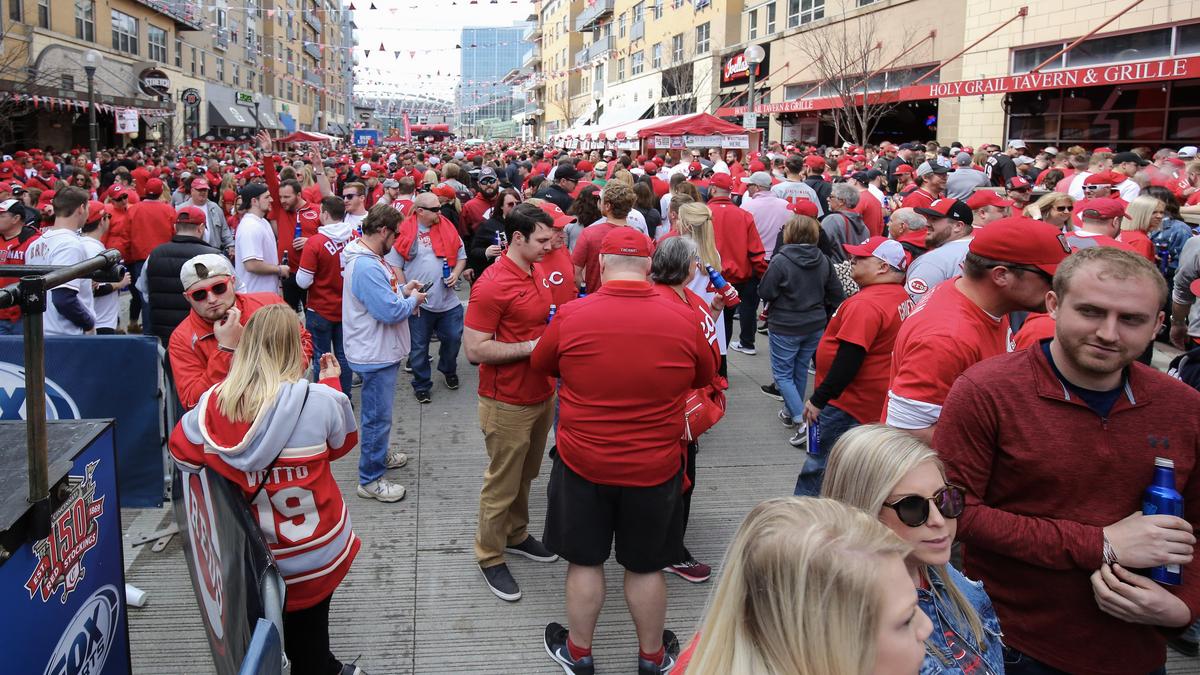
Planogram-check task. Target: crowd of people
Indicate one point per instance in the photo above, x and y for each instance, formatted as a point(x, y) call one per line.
point(977, 325)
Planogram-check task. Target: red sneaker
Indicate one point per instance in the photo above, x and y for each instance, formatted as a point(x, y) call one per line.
point(690, 570)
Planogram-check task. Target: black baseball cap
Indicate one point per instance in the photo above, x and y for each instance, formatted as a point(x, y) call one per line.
point(567, 172)
point(948, 208)
point(251, 191)
point(1122, 157)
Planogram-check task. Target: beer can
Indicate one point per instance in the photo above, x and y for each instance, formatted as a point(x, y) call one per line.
point(814, 438)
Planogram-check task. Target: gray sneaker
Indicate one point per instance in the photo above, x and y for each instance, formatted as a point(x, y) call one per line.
point(501, 582)
point(382, 490)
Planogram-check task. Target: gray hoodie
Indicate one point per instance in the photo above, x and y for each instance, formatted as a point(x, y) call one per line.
point(844, 227)
point(799, 283)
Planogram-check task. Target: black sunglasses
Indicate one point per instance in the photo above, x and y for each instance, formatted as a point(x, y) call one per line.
point(201, 294)
point(426, 208)
point(350, 196)
point(1063, 209)
point(1048, 278)
point(488, 181)
point(913, 510)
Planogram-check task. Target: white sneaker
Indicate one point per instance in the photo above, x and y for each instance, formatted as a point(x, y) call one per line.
point(395, 460)
point(737, 347)
point(800, 438)
point(382, 490)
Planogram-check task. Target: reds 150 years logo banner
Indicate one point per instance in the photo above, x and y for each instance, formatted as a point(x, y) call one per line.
point(74, 530)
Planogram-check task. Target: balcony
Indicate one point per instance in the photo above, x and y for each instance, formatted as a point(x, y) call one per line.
point(588, 18)
point(581, 57)
point(221, 39)
point(310, 18)
point(312, 50)
point(637, 31)
point(186, 15)
point(533, 56)
point(313, 79)
point(251, 53)
point(533, 32)
point(601, 48)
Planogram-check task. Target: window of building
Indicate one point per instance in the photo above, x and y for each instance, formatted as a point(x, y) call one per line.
point(771, 19)
point(193, 60)
point(621, 25)
point(658, 9)
point(203, 64)
point(156, 43)
point(14, 10)
point(249, 78)
point(291, 91)
point(702, 38)
point(124, 33)
point(178, 51)
point(237, 75)
point(85, 20)
point(804, 11)
point(864, 3)
point(639, 12)
point(1187, 39)
point(637, 63)
point(1141, 46)
point(752, 22)
point(620, 69)
point(656, 56)
point(43, 13)
point(676, 4)
point(221, 69)
point(68, 82)
point(291, 65)
point(1151, 113)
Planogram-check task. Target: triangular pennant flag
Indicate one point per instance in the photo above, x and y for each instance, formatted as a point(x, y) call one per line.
point(367, 53)
point(396, 54)
point(381, 47)
point(352, 7)
point(372, 5)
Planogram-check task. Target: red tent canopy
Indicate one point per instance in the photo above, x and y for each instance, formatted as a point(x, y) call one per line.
point(696, 124)
point(305, 137)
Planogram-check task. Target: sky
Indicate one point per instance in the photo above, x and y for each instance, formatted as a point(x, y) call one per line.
point(424, 32)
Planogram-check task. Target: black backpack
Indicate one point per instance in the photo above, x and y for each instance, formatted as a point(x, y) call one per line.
point(1186, 368)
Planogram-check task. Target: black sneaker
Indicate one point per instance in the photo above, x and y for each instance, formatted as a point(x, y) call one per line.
point(355, 380)
point(772, 391)
point(532, 548)
point(501, 582)
point(1184, 646)
point(423, 397)
point(556, 646)
point(452, 382)
point(408, 366)
point(670, 652)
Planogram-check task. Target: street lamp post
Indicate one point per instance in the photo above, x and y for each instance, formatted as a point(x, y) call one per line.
point(257, 102)
point(92, 59)
point(754, 55)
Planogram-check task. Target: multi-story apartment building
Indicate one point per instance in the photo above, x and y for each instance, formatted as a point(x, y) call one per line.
point(487, 55)
point(191, 71)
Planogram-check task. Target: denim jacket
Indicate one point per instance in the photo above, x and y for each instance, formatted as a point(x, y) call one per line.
point(943, 617)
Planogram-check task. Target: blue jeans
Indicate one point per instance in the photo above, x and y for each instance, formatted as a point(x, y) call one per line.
point(8, 327)
point(790, 356)
point(1017, 663)
point(327, 335)
point(833, 423)
point(448, 326)
point(378, 393)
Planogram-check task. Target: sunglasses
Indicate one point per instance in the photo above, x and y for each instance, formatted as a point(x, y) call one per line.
point(201, 294)
point(1063, 209)
point(488, 181)
point(350, 196)
point(426, 208)
point(913, 510)
point(1033, 270)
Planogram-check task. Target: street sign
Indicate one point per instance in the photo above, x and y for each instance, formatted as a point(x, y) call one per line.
point(191, 96)
point(245, 98)
point(751, 120)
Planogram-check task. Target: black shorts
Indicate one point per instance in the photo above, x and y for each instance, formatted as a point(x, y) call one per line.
point(583, 517)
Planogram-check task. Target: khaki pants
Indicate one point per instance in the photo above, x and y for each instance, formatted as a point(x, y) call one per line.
point(515, 437)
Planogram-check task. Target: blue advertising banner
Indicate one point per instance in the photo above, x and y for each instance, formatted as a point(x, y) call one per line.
point(64, 596)
point(365, 137)
point(100, 377)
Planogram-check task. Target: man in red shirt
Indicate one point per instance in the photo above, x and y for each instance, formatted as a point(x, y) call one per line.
point(201, 348)
point(855, 353)
point(295, 221)
point(743, 258)
point(485, 194)
point(556, 267)
point(1054, 446)
point(869, 206)
point(1008, 268)
point(616, 201)
point(151, 224)
point(619, 469)
point(507, 314)
point(933, 182)
point(44, 179)
point(320, 274)
point(15, 238)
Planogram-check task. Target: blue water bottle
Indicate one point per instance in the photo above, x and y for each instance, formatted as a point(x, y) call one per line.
point(1161, 498)
point(814, 438)
point(723, 287)
point(1164, 258)
point(445, 269)
point(299, 232)
point(583, 290)
point(550, 316)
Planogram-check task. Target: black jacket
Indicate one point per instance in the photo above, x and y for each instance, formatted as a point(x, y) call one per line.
point(800, 283)
point(822, 188)
point(556, 195)
point(485, 236)
point(168, 307)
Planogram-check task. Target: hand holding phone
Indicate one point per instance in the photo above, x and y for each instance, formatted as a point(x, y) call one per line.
point(425, 287)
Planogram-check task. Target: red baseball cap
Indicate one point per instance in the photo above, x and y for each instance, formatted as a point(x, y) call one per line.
point(814, 162)
point(888, 250)
point(49, 166)
point(1103, 149)
point(229, 196)
point(757, 166)
point(46, 197)
point(982, 198)
point(803, 207)
point(1102, 209)
point(1017, 183)
point(96, 211)
point(1022, 241)
point(154, 187)
point(199, 184)
point(695, 167)
point(584, 166)
point(443, 190)
point(1104, 178)
point(650, 167)
point(561, 219)
point(190, 214)
point(721, 181)
point(626, 241)
point(903, 168)
point(117, 191)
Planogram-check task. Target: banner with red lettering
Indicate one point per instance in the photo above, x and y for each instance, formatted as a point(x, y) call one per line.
point(1094, 76)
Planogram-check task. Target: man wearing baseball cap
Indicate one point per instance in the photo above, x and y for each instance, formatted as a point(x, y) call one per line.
point(556, 267)
point(1008, 267)
point(105, 304)
point(619, 466)
point(1099, 224)
point(45, 177)
point(70, 310)
point(216, 231)
point(932, 179)
point(740, 245)
point(804, 178)
point(201, 348)
point(999, 168)
point(15, 239)
point(159, 281)
point(151, 224)
point(855, 353)
point(1127, 164)
point(947, 239)
point(473, 209)
point(566, 178)
point(987, 206)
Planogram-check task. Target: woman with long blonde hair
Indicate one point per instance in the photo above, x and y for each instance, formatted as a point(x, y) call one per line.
point(1143, 216)
point(1053, 208)
point(894, 476)
point(696, 223)
point(273, 434)
point(810, 587)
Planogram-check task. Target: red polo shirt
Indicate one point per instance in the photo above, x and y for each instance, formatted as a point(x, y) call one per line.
point(306, 217)
point(621, 410)
point(512, 305)
point(559, 272)
point(151, 223)
point(587, 253)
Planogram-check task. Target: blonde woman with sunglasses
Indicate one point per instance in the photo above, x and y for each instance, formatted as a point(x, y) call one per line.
point(810, 587)
point(1053, 209)
point(892, 474)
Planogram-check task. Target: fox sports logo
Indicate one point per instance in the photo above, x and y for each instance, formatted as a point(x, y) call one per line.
point(87, 641)
point(59, 404)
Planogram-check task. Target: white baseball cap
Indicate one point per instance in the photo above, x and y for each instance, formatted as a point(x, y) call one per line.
point(1050, 150)
point(889, 251)
point(1016, 143)
point(1187, 152)
point(202, 267)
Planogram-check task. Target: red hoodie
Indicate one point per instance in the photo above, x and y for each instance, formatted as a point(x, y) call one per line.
point(741, 249)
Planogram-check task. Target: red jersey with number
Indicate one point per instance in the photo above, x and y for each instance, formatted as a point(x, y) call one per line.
point(512, 305)
point(870, 319)
point(12, 252)
point(322, 258)
point(559, 272)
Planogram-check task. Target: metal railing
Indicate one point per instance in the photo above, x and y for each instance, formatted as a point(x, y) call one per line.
point(590, 15)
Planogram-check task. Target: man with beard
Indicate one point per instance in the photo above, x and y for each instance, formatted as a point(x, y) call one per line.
point(947, 239)
point(474, 209)
point(1008, 267)
point(1054, 445)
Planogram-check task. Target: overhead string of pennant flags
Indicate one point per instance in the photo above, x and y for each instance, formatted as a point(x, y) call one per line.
point(54, 103)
